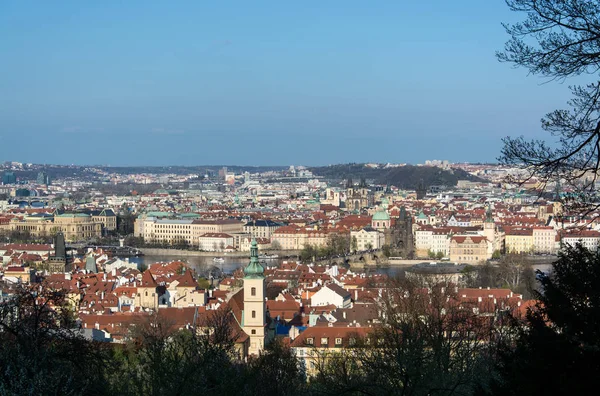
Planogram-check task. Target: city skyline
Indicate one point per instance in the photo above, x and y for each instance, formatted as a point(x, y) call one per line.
point(158, 84)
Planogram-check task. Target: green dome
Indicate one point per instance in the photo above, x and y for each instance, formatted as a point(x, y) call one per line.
point(381, 216)
point(254, 269)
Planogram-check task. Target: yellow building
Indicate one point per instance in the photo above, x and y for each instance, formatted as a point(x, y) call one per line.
point(18, 274)
point(471, 249)
point(147, 295)
point(519, 240)
point(75, 226)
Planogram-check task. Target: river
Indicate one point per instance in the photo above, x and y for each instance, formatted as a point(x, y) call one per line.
point(204, 266)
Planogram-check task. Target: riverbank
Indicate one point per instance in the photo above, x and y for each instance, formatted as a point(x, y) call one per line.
point(197, 253)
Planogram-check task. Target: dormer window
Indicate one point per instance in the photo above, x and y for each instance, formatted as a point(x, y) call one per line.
point(310, 341)
point(338, 341)
point(324, 341)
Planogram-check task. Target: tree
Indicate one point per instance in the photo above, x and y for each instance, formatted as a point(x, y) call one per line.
point(439, 255)
point(42, 350)
point(354, 244)
point(425, 344)
point(275, 372)
point(560, 344)
point(162, 359)
point(308, 253)
point(275, 245)
point(515, 273)
point(560, 40)
point(386, 250)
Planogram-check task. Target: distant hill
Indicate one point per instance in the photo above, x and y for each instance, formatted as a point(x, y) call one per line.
point(405, 177)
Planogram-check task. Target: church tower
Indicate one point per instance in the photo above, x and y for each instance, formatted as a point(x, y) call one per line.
point(489, 231)
point(254, 316)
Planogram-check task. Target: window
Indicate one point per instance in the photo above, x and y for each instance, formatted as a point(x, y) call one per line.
point(310, 341)
point(338, 341)
point(324, 341)
point(253, 291)
point(253, 331)
point(253, 314)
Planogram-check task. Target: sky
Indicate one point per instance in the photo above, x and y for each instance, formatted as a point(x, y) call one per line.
point(261, 82)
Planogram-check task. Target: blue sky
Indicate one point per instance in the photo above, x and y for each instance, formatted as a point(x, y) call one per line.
point(261, 82)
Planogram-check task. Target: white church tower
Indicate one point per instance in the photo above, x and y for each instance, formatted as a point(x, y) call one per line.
point(489, 231)
point(254, 316)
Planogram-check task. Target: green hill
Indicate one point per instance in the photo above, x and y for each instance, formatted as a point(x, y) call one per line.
point(405, 177)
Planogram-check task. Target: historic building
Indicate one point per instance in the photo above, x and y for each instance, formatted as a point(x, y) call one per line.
point(74, 226)
point(254, 322)
point(381, 220)
point(261, 228)
point(59, 262)
point(367, 238)
point(153, 229)
point(471, 249)
point(400, 235)
point(358, 197)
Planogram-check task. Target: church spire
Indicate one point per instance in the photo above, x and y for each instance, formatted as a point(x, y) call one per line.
point(254, 269)
point(489, 218)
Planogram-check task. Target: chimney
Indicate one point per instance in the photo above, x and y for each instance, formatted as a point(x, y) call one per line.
point(102, 296)
point(67, 276)
point(355, 294)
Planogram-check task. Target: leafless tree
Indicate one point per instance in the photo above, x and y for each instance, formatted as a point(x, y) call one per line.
point(560, 40)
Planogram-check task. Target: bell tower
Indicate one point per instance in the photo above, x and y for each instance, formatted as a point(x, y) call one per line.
point(254, 315)
point(489, 231)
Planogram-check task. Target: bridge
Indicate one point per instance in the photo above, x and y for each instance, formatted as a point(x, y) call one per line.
point(117, 251)
point(372, 258)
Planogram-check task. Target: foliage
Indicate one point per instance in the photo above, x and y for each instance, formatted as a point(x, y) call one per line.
point(354, 244)
point(275, 372)
point(203, 283)
point(560, 347)
point(336, 244)
point(560, 40)
point(423, 346)
point(41, 349)
point(386, 250)
point(406, 177)
point(163, 360)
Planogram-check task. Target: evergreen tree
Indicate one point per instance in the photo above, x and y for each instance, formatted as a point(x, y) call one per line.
point(558, 351)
